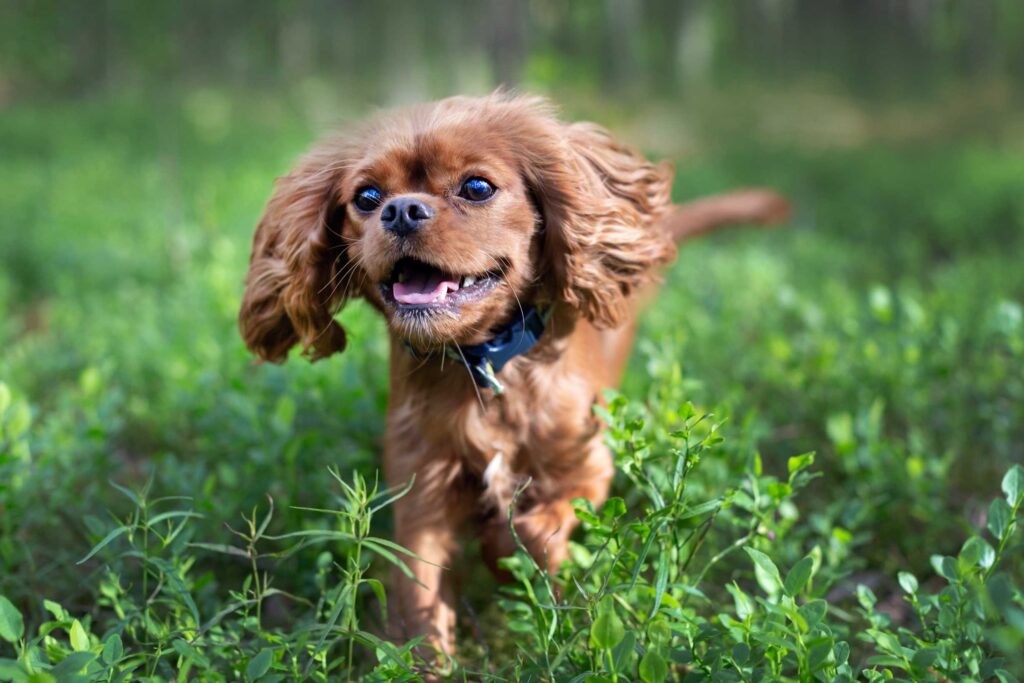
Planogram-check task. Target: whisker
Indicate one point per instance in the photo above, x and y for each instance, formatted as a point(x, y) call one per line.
point(501, 271)
point(351, 271)
point(346, 273)
point(472, 379)
point(337, 274)
point(422, 363)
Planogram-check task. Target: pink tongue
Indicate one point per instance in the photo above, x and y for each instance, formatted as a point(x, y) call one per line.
point(423, 288)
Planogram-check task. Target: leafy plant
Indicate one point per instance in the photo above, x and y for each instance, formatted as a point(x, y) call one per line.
point(883, 330)
point(157, 630)
point(963, 628)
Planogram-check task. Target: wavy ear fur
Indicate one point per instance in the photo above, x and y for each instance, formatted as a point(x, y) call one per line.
point(601, 202)
point(291, 291)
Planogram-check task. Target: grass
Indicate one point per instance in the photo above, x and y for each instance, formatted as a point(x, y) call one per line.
point(883, 331)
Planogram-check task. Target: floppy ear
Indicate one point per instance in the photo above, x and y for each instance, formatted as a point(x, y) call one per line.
point(292, 290)
point(601, 202)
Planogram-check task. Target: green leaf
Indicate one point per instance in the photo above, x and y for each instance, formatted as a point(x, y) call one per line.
point(798, 576)
point(653, 668)
point(945, 567)
point(999, 514)
point(128, 493)
point(740, 653)
point(623, 652)
point(607, 630)
point(744, 607)
point(189, 652)
point(977, 551)
point(923, 659)
point(12, 627)
point(259, 664)
point(799, 462)
point(113, 649)
point(841, 651)
point(813, 612)
point(1005, 676)
point(221, 548)
point(908, 582)
point(19, 417)
point(383, 647)
point(382, 597)
point(176, 584)
point(104, 543)
point(284, 413)
point(522, 626)
point(779, 641)
point(613, 508)
point(841, 535)
point(393, 559)
point(660, 582)
point(1013, 485)
point(970, 552)
point(866, 597)
point(659, 632)
point(72, 664)
point(881, 303)
point(79, 638)
point(58, 612)
point(10, 670)
point(817, 654)
point(700, 509)
point(765, 570)
point(173, 514)
point(587, 516)
point(887, 642)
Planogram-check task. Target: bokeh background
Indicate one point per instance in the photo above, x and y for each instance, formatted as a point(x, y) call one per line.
point(883, 328)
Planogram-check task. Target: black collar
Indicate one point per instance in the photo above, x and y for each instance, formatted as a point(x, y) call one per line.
point(486, 360)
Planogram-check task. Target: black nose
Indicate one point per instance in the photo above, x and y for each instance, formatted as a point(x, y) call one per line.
point(403, 215)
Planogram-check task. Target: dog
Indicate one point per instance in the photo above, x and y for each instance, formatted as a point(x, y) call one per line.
point(508, 252)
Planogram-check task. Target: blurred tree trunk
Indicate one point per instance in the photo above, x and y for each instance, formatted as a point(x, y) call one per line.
point(296, 46)
point(507, 20)
point(695, 42)
point(623, 28)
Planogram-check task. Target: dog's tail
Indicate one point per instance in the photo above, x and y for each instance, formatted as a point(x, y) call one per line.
point(747, 206)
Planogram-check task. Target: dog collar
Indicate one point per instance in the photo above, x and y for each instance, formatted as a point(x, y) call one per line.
point(486, 360)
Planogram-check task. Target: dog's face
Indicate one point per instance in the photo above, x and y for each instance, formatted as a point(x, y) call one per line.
point(448, 218)
point(441, 231)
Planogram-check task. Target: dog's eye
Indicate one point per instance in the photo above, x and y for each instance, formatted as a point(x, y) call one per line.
point(368, 199)
point(477, 190)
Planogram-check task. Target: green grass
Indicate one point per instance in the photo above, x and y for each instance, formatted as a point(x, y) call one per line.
point(883, 330)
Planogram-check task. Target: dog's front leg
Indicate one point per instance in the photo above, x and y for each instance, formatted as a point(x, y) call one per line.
point(426, 521)
point(545, 526)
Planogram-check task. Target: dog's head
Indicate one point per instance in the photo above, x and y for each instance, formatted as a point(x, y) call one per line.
point(449, 217)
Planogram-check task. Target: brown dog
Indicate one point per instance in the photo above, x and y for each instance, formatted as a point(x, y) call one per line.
point(507, 251)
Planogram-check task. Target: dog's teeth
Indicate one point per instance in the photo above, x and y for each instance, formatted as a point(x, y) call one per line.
point(468, 281)
point(443, 295)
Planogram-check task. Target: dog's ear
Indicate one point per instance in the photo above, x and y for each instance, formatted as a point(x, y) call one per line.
point(600, 203)
point(293, 290)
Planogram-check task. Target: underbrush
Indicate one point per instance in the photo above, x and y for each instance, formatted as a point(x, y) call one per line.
point(680, 578)
point(883, 330)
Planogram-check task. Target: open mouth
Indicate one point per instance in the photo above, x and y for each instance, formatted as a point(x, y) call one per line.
point(414, 284)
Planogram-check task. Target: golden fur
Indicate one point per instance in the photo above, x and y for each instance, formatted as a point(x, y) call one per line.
point(580, 224)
